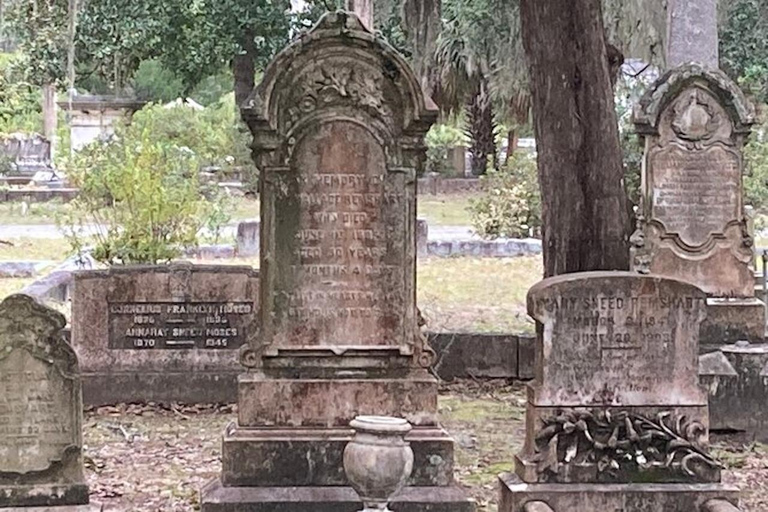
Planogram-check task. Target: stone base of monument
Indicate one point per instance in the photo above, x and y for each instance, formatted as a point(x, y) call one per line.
point(189, 387)
point(630, 497)
point(732, 320)
point(314, 457)
point(39, 495)
point(218, 498)
point(269, 398)
point(736, 378)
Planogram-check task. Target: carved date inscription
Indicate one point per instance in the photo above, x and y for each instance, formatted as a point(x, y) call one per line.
point(36, 423)
point(179, 325)
point(695, 192)
point(612, 347)
point(341, 275)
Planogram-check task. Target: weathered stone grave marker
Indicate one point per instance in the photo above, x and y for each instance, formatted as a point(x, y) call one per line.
point(338, 125)
point(41, 460)
point(616, 418)
point(692, 224)
point(163, 333)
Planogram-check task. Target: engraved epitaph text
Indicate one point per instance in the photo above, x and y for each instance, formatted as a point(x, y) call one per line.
point(179, 325)
point(340, 243)
point(35, 426)
point(625, 340)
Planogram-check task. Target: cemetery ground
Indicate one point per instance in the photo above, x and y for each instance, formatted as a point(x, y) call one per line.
point(151, 458)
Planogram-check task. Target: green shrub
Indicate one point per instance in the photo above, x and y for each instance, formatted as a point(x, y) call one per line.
point(142, 189)
point(153, 82)
point(20, 108)
point(511, 202)
point(439, 139)
point(756, 161)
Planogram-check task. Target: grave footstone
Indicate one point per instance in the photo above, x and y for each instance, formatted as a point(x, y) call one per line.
point(163, 333)
point(616, 418)
point(41, 448)
point(338, 125)
point(692, 224)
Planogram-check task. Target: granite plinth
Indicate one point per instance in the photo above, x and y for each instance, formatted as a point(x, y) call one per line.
point(314, 457)
point(736, 379)
point(214, 386)
point(632, 497)
point(217, 498)
point(265, 401)
point(732, 320)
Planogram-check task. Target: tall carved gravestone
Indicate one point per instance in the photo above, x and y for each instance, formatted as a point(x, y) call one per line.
point(40, 410)
point(616, 419)
point(338, 125)
point(692, 224)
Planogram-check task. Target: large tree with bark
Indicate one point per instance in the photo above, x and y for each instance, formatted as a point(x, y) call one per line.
point(584, 204)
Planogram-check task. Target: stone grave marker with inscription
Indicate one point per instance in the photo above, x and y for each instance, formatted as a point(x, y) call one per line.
point(41, 459)
point(338, 125)
point(165, 333)
point(692, 224)
point(616, 416)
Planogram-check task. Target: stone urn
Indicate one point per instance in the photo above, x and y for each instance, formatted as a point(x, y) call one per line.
point(378, 460)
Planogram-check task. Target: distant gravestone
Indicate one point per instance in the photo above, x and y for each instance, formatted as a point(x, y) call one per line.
point(163, 333)
point(247, 242)
point(616, 398)
point(692, 224)
point(40, 409)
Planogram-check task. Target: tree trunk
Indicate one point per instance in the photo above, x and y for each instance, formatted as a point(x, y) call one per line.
point(584, 205)
point(512, 140)
point(49, 115)
point(244, 69)
point(422, 21)
point(363, 9)
point(480, 114)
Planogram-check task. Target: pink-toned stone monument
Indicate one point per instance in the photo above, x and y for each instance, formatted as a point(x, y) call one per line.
point(616, 419)
point(694, 122)
point(338, 125)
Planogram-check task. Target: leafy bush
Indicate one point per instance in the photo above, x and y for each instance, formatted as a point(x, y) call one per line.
point(439, 140)
point(20, 109)
point(142, 189)
point(756, 161)
point(153, 82)
point(511, 203)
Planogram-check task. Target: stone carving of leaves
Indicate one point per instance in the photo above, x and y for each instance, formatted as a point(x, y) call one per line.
point(623, 441)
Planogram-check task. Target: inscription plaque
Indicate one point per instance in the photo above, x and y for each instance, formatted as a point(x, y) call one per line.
point(617, 340)
point(35, 426)
point(179, 325)
point(696, 192)
point(341, 245)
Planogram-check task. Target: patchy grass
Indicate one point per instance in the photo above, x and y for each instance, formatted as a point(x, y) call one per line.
point(477, 294)
point(44, 249)
point(12, 285)
point(245, 208)
point(15, 213)
point(445, 210)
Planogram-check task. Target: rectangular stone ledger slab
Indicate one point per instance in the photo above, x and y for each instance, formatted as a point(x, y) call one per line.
point(732, 320)
point(633, 497)
point(163, 333)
